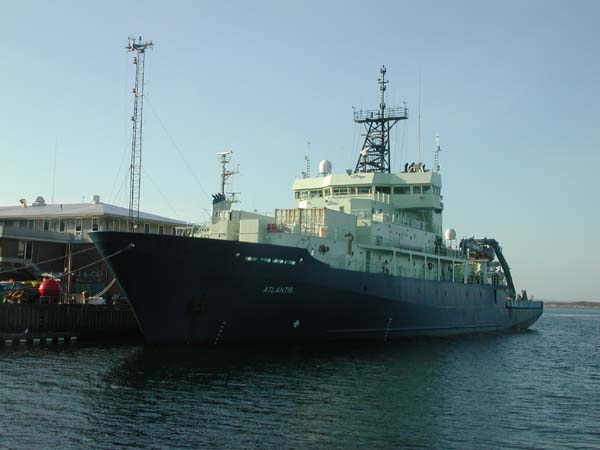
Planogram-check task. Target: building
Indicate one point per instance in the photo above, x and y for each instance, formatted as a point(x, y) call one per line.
point(54, 238)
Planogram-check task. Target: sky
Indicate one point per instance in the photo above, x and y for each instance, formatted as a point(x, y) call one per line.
point(511, 87)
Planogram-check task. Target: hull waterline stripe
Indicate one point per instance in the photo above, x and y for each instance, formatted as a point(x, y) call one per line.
point(393, 330)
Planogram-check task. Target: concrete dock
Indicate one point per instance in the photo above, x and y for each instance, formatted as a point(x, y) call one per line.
point(52, 322)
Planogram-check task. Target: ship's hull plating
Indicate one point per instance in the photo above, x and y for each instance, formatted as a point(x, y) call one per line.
point(191, 290)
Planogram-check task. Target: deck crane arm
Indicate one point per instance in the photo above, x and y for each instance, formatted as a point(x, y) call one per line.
point(483, 246)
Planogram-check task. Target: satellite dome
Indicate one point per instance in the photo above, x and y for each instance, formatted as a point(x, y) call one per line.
point(450, 234)
point(325, 167)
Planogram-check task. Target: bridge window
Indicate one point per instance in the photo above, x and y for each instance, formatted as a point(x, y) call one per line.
point(383, 189)
point(402, 190)
point(416, 189)
point(426, 189)
point(363, 190)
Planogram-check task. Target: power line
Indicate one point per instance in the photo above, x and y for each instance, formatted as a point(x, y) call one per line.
point(176, 147)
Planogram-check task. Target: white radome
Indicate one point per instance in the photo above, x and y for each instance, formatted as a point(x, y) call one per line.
point(450, 234)
point(325, 167)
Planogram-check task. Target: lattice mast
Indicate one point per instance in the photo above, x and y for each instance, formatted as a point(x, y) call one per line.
point(375, 153)
point(135, 168)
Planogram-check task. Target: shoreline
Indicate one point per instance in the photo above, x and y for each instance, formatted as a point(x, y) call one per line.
point(572, 304)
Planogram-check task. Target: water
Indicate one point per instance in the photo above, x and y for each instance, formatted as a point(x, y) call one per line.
point(530, 390)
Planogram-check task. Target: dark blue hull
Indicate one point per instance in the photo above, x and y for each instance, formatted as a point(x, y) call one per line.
point(191, 290)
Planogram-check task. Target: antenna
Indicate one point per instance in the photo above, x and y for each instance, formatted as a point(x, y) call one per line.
point(419, 121)
point(224, 159)
point(374, 155)
point(306, 174)
point(135, 168)
point(54, 170)
point(436, 154)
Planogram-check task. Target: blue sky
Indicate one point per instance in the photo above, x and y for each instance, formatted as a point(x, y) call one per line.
point(512, 88)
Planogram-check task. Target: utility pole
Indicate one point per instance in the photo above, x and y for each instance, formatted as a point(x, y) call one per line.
point(135, 168)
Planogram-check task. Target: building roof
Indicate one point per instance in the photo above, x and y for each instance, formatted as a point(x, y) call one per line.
point(77, 210)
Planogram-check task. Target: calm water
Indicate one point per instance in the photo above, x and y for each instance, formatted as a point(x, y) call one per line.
point(538, 389)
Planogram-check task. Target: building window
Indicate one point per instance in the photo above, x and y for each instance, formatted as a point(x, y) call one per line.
point(95, 222)
point(161, 229)
point(146, 228)
point(25, 249)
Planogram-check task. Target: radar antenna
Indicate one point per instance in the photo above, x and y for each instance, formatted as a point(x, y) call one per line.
point(135, 168)
point(375, 152)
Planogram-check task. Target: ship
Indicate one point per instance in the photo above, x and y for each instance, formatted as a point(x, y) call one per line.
point(362, 255)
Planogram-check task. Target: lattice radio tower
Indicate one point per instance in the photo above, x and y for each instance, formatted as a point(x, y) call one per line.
point(375, 153)
point(135, 168)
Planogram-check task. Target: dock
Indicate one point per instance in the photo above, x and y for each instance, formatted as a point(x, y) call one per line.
point(37, 338)
point(67, 322)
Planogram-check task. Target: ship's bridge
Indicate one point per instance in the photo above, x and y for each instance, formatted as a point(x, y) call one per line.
point(400, 191)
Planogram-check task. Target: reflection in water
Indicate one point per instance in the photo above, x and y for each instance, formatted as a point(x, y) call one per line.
point(530, 390)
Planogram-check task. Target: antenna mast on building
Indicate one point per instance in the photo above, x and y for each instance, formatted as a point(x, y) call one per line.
point(375, 153)
point(135, 168)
